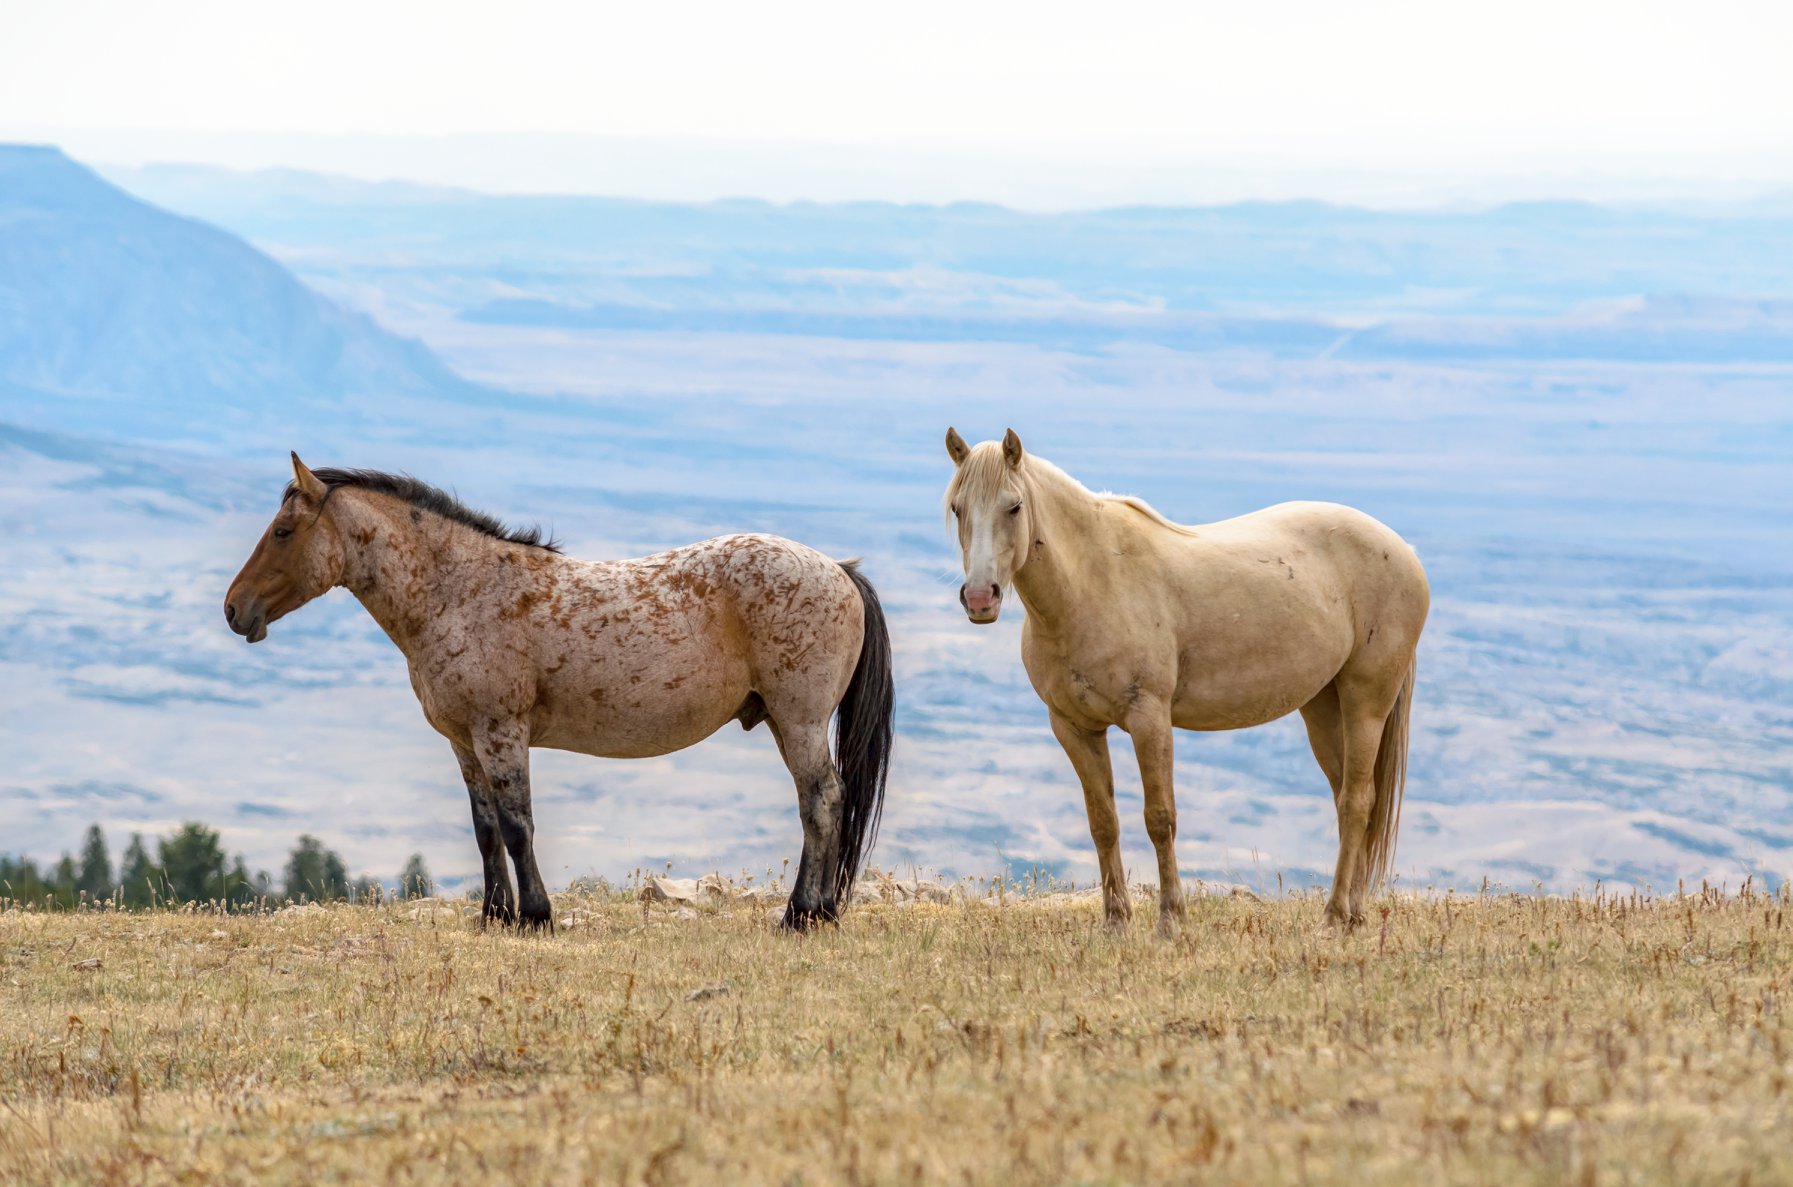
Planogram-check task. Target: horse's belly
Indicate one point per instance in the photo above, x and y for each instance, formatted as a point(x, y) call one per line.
point(1230, 702)
point(642, 713)
point(1238, 687)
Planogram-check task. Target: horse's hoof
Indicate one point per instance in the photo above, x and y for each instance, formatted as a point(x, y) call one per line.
point(536, 923)
point(1170, 925)
point(806, 919)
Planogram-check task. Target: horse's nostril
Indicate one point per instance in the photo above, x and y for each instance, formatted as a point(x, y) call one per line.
point(962, 600)
point(230, 613)
point(995, 592)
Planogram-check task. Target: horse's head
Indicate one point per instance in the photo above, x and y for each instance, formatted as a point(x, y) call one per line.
point(987, 500)
point(299, 557)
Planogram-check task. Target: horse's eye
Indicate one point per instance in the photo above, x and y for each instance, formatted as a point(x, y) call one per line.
point(955, 510)
point(1015, 510)
point(282, 533)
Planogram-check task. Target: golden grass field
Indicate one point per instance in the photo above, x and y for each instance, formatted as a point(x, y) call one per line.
point(1456, 1039)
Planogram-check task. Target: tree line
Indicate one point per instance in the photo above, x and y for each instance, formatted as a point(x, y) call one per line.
point(190, 866)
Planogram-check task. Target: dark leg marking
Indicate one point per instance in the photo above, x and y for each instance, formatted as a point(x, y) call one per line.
point(816, 897)
point(499, 902)
point(517, 825)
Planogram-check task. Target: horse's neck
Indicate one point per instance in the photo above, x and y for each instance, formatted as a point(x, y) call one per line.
point(1067, 557)
point(399, 567)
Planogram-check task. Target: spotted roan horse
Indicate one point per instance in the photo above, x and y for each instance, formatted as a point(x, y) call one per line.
point(511, 645)
point(1138, 622)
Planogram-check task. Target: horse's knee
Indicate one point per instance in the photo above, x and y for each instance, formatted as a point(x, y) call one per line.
point(1161, 824)
point(1104, 832)
point(518, 831)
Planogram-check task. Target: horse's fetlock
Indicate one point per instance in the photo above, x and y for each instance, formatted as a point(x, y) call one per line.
point(537, 917)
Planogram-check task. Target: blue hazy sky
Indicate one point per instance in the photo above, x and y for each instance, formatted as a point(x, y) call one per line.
point(1029, 103)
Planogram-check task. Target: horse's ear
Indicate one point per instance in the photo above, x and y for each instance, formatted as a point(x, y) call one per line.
point(1011, 449)
point(956, 449)
point(308, 483)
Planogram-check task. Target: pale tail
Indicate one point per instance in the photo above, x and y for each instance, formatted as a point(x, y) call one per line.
point(1391, 784)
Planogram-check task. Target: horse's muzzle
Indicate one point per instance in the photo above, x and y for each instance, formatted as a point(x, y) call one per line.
point(982, 604)
point(253, 626)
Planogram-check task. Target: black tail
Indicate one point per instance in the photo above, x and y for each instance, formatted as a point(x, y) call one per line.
point(862, 736)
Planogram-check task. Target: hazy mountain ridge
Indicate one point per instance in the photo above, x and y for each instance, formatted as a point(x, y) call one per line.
point(127, 318)
point(1536, 257)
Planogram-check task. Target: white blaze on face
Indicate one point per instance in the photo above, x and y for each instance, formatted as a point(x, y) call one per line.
point(983, 575)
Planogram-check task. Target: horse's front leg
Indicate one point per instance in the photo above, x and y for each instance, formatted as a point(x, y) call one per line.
point(500, 903)
point(1149, 724)
point(503, 753)
point(1088, 752)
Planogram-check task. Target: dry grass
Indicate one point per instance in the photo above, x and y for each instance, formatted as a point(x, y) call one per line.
point(1484, 1039)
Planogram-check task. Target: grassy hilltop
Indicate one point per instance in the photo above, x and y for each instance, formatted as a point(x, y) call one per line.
point(1499, 1038)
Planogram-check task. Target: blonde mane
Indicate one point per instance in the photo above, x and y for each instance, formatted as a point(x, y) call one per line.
point(985, 472)
point(1146, 509)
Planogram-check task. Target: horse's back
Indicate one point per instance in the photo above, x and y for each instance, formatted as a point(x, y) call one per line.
point(1275, 603)
point(1368, 558)
point(1312, 521)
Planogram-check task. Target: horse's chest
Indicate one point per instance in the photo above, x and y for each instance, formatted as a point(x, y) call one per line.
point(1085, 689)
point(432, 700)
point(462, 677)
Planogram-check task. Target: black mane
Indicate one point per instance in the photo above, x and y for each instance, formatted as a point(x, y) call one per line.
point(422, 495)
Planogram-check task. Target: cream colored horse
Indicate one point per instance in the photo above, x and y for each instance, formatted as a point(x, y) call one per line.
point(512, 645)
point(1138, 622)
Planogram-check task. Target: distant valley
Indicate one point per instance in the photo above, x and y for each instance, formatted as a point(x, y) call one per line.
point(1578, 415)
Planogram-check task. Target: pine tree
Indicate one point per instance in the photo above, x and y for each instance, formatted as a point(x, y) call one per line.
point(63, 888)
point(138, 876)
point(414, 880)
point(95, 879)
point(21, 882)
point(316, 873)
point(193, 865)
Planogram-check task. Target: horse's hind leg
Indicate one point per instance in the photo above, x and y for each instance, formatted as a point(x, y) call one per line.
point(1325, 736)
point(503, 753)
point(815, 897)
point(500, 902)
point(1364, 706)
